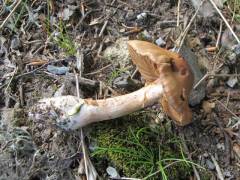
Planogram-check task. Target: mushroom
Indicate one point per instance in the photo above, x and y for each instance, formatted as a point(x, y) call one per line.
point(168, 80)
point(158, 65)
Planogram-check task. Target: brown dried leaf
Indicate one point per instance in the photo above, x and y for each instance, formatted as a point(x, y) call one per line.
point(208, 106)
point(236, 149)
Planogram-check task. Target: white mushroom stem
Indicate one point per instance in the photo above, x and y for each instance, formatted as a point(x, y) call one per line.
point(74, 113)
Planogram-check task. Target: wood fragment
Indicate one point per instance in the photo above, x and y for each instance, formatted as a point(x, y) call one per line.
point(189, 156)
point(218, 169)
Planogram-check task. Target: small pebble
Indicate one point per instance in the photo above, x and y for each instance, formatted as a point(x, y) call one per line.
point(15, 43)
point(227, 174)
point(205, 155)
point(236, 49)
point(112, 172)
point(221, 146)
point(146, 35)
point(232, 58)
point(210, 165)
point(57, 70)
point(160, 42)
point(232, 81)
point(142, 16)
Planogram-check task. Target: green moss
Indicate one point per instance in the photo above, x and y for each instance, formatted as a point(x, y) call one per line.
point(114, 74)
point(138, 150)
point(64, 41)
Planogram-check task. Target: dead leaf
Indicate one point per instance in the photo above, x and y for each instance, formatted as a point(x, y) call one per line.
point(96, 21)
point(236, 149)
point(208, 106)
point(36, 63)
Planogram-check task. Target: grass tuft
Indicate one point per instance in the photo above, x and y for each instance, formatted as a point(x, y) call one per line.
point(140, 151)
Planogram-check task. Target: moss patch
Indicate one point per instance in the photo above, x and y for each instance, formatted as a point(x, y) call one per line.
point(138, 150)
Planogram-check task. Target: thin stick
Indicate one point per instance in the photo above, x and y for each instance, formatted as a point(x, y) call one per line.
point(10, 14)
point(201, 80)
point(77, 85)
point(215, 75)
point(184, 34)
point(189, 156)
point(81, 131)
point(228, 109)
point(219, 35)
point(84, 154)
point(100, 49)
point(103, 28)
point(228, 98)
point(218, 169)
point(219, 12)
point(98, 71)
point(134, 73)
point(224, 75)
point(178, 12)
point(15, 70)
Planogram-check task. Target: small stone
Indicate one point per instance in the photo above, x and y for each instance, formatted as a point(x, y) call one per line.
point(112, 172)
point(232, 81)
point(121, 82)
point(145, 35)
point(15, 43)
point(210, 165)
point(232, 58)
point(236, 49)
point(57, 70)
point(122, 30)
point(160, 42)
point(205, 155)
point(221, 146)
point(125, 82)
point(142, 16)
point(227, 174)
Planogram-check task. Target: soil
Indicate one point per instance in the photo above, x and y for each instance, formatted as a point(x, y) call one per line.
point(68, 33)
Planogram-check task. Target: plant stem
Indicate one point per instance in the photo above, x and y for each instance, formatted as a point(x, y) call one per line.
point(76, 113)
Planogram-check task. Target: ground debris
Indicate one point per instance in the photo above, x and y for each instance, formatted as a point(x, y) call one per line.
point(44, 45)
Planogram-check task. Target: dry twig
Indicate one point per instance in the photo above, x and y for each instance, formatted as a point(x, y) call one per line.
point(181, 38)
point(228, 109)
point(219, 35)
point(224, 19)
point(10, 14)
point(189, 156)
point(218, 169)
point(178, 12)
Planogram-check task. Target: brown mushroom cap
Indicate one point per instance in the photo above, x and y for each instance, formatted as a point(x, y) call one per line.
point(158, 65)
